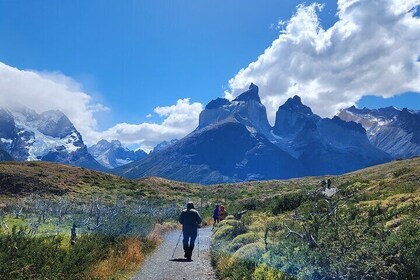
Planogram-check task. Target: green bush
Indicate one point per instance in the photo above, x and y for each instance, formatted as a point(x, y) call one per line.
point(229, 229)
point(402, 171)
point(251, 252)
point(288, 202)
point(224, 232)
point(236, 270)
point(23, 256)
point(242, 240)
point(230, 222)
point(250, 204)
point(264, 272)
point(403, 250)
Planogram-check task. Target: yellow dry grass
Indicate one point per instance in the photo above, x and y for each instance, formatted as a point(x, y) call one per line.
point(120, 262)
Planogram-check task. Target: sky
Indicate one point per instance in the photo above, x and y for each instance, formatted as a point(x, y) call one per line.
point(142, 71)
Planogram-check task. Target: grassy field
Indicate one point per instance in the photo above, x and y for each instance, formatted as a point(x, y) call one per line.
point(50, 180)
point(21, 179)
point(369, 229)
point(381, 218)
point(118, 221)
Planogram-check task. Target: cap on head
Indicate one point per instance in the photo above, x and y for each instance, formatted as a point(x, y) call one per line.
point(190, 205)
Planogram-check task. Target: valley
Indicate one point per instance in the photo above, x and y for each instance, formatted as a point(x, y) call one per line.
point(144, 204)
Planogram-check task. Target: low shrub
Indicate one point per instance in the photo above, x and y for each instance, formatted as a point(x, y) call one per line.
point(229, 229)
point(402, 171)
point(251, 252)
point(288, 202)
point(230, 222)
point(243, 239)
point(264, 272)
point(224, 232)
point(24, 256)
point(230, 268)
point(403, 249)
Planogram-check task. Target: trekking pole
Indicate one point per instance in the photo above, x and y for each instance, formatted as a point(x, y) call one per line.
point(198, 237)
point(179, 238)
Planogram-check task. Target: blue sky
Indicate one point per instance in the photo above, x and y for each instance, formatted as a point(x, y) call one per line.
point(134, 56)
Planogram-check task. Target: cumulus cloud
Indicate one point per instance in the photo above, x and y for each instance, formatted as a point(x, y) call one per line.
point(42, 91)
point(372, 49)
point(179, 120)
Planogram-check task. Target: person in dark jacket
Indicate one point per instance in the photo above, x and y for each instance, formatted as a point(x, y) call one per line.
point(216, 215)
point(190, 220)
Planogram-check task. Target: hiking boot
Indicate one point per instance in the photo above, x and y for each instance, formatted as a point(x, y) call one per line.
point(189, 252)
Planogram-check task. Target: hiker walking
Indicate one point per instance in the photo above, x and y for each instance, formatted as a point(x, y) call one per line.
point(216, 215)
point(222, 213)
point(190, 220)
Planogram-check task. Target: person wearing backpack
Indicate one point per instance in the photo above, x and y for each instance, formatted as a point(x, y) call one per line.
point(216, 215)
point(222, 213)
point(190, 220)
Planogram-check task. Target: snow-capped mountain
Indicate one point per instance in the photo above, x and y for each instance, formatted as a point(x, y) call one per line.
point(234, 142)
point(49, 136)
point(113, 154)
point(395, 131)
point(163, 145)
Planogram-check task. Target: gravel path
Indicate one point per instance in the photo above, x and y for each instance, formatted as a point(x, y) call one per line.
point(161, 266)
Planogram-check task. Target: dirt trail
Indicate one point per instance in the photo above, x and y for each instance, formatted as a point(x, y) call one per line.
point(161, 266)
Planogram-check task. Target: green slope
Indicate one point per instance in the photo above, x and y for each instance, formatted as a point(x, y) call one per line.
point(290, 233)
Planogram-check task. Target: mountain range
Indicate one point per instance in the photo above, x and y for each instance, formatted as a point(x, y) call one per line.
point(395, 131)
point(162, 145)
point(113, 154)
point(50, 136)
point(235, 142)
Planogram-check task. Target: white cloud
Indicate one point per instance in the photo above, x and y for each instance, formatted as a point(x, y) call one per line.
point(180, 119)
point(372, 49)
point(43, 91)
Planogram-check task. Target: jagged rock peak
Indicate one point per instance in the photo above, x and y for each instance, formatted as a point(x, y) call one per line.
point(390, 110)
point(217, 103)
point(351, 125)
point(296, 104)
point(103, 142)
point(250, 94)
point(114, 143)
point(163, 145)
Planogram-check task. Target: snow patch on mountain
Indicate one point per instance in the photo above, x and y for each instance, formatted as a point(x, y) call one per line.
point(29, 136)
point(113, 154)
point(393, 130)
point(39, 144)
